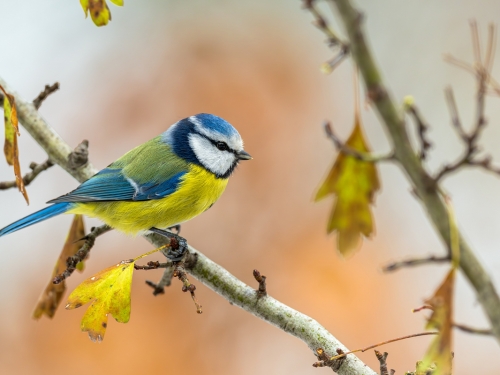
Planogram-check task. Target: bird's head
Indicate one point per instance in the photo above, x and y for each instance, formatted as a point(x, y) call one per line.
point(209, 141)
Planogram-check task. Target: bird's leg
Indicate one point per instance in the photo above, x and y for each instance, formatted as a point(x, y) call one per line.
point(176, 227)
point(178, 244)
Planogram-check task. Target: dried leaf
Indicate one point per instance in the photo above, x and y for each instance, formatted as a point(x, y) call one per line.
point(354, 183)
point(53, 293)
point(109, 293)
point(99, 11)
point(10, 131)
point(439, 352)
point(11, 149)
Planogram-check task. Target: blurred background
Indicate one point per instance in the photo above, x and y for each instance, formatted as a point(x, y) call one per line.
point(255, 63)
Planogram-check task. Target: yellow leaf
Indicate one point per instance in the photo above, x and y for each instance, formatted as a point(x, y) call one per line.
point(11, 149)
point(10, 132)
point(109, 293)
point(439, 352)
point(99, 11)
point(53, 293)
point(353, 182)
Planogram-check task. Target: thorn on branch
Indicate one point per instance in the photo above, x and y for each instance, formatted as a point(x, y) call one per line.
point(422, 128)
point(44, 94)
point(391, 267)
point(80, 155)
point(36, 169)
point(81, 254)
point(261, 279)
point(342, 147)
point(326, 361)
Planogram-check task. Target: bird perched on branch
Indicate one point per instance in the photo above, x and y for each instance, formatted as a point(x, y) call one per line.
point(160, 184)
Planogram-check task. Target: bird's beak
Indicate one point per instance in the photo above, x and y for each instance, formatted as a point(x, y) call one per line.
point(243, 155)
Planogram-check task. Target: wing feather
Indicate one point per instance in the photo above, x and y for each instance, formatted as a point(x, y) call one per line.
point(150, 171)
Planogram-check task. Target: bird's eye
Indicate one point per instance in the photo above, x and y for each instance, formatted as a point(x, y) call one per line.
point(222, 146)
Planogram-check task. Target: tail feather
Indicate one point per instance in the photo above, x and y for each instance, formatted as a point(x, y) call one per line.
point(46, 213)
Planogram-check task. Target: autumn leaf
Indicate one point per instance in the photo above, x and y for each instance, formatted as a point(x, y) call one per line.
point(11, 149)
point(353, 182)
point(53, 293)
point(439, 352)
point(99, 11)
point(109, 293)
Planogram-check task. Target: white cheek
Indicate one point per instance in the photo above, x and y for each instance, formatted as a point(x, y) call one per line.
point(216, 161)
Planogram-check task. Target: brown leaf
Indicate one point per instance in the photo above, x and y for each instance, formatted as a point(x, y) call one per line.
point(11, 149)
point(53, 293)
point(354, 183)
point(439, 352)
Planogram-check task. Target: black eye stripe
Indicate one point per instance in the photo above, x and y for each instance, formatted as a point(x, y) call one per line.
point(229, 149)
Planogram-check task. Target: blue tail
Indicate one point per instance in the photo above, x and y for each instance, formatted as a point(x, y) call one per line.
point(46, 213)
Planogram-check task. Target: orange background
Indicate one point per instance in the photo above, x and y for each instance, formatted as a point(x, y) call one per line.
point(255, 63)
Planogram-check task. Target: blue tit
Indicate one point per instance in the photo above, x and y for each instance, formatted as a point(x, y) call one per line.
point(160, 184)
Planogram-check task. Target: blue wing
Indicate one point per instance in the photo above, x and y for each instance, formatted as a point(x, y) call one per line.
point(111, 184)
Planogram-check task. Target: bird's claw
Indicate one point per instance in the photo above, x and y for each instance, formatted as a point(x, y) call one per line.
point(178, 245)
point(178, 248)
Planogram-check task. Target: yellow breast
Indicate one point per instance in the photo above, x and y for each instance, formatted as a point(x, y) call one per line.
point(198, 191)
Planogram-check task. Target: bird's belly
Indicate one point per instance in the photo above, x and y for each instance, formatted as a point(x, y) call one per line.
point(197, 192)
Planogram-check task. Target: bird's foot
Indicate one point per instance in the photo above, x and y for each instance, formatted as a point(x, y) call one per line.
point(178, 245)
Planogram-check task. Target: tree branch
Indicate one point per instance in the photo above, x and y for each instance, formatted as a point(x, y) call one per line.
point(36, 169)
point(44, 94)
point(394, 266)
point(204, 270)
point(426, 190)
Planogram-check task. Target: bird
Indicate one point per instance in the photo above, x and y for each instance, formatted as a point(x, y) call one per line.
point(160, 184)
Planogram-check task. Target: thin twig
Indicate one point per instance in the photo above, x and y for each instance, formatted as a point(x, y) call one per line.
point(321, 23)
point(36, 169)
point(166, 280)
point(383, 343)
point(180, 273)
point(391, 267)
point(455, 117)
point(478, 331)
point(481, 70)
point(422, 128)
point(153, 265)
point(334, 42)
point(44, 94)
point(342, 147)
point(81, 254)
